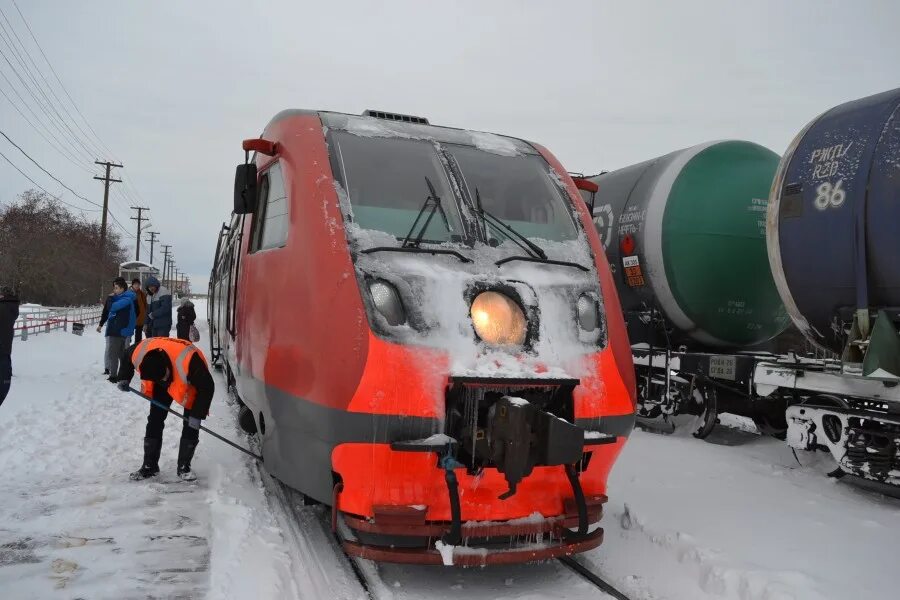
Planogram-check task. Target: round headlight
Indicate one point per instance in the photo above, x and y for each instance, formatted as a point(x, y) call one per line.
point(588, 313)
point(387, 301)
point(498, 319)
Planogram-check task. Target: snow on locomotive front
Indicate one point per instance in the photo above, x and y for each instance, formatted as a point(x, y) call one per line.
point(428, 337)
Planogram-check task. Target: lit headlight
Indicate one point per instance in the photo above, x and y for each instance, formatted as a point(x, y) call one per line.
point(588, 313)
point(498, 319)
point(387, 301)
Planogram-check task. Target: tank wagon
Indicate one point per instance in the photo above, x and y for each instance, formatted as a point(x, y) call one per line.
point(834, 250)
point(831, 266)
point(422, 329)
point(685, 234)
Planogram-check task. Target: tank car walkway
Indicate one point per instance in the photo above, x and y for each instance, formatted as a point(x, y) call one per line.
point(687, 519)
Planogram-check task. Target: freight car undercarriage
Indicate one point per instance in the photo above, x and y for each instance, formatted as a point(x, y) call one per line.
point(811, 403)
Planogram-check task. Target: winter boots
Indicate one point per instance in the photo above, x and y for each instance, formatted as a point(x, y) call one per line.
point(152, 448)
point(185, 454)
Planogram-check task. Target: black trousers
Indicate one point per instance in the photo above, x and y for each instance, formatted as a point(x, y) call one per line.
point(138, 333)
point(5, 375)
point(156, 420)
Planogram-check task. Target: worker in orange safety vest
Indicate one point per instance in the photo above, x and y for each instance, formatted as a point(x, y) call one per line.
point(170, 369)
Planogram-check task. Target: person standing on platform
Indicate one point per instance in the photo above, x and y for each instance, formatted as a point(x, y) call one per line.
point(159, 310)
point(140, 305)
point(9, 312)
point(186, 317)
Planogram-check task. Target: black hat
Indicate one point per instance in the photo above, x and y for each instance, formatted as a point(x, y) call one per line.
point(154, 365)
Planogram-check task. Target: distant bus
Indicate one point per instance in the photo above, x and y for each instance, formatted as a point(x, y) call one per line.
point(137, 269)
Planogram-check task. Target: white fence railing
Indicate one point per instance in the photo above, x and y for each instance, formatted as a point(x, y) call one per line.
point(48, 319)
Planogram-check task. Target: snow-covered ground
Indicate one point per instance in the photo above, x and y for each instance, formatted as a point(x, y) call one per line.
point(687, 520)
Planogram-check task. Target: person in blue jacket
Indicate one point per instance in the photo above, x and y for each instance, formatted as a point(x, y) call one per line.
point(159, 309)
point(119, 325)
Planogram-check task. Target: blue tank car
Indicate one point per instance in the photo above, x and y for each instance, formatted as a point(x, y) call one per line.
point(833, 236)
point(833, 232)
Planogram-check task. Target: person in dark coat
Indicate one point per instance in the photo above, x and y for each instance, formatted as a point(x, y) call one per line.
point(186, 317)
point(159, 309)
point(140, 305)
point(9, 312)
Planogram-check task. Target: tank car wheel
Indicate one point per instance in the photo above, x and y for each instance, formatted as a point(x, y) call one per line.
point(696, 412)
point(771, 424)
point(821, 460)
point(710, 414)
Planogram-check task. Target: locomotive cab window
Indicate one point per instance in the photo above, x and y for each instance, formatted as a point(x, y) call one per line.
point(270, 223)
point(385, 180)
point(517, 189)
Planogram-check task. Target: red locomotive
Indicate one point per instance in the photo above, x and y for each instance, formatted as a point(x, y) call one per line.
point(421, 325)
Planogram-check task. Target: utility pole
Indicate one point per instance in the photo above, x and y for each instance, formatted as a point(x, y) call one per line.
point(106, 181)
point(139, 219)
point(152, 241)
point(165, 248)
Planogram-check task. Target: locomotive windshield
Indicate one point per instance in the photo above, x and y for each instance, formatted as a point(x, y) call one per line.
point(385, 180)
point(518, 190)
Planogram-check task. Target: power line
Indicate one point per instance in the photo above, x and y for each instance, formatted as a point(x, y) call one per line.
point(40, 133)
point(42, 188)
point(40, 104)
point(49, 87)
point(56, 179)
point(63, 87)
point(9, 37)
point(62, 148)
point(51, 113)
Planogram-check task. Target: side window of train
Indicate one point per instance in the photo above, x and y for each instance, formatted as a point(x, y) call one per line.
point(270, 223)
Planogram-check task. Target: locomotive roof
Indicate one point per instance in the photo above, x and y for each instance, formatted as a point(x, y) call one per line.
point(369, 126)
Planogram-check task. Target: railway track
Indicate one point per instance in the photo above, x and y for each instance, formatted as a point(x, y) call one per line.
point(593, 578)
point(369, 579)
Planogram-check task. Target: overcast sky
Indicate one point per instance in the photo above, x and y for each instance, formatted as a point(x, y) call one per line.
point(173, 87)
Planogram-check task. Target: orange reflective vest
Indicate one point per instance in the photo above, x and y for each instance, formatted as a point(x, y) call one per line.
point(180, 353)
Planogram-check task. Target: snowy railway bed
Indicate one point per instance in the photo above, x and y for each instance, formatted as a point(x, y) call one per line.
point(691, 520)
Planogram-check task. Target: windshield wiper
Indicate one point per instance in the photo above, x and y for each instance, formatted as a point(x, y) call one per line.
point(511, 234)
point(416, 249)
point(434, 202)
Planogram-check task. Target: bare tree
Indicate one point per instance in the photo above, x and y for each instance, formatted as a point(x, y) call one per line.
point(52, 256)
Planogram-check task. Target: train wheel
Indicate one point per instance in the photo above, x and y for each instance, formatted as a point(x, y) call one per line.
point(246, 421)
point(710, 412)
point(821, 460)
point(696, 410)
point(772, 424)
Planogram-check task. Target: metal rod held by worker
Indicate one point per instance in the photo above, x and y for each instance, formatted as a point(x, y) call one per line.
point(184, 418)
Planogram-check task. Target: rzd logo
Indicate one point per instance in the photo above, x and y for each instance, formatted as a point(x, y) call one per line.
point(603, 221)
point(830, 195)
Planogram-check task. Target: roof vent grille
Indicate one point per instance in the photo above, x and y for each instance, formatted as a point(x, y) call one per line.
point(380, 114)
